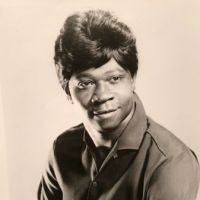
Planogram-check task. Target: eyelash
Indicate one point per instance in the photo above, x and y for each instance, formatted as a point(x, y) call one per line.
point(88, 83)
point(115, 79)
point(85, 84)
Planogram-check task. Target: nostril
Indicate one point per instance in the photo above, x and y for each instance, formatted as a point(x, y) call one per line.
point(95, 99)
point(99, 100)
point(111, 98)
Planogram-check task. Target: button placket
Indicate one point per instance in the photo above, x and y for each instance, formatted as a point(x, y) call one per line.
point(92, 191)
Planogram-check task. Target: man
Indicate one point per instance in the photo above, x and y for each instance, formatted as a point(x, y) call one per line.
point(117, 153)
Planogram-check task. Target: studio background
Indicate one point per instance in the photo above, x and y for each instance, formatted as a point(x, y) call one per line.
point(34, 109)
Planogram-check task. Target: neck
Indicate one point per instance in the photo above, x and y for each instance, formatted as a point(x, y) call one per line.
point(98, 138)
point(108, 138)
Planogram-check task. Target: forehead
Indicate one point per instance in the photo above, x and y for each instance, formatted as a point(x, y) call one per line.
point(108, 68)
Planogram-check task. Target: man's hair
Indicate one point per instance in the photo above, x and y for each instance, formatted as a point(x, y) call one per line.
point(90, 39)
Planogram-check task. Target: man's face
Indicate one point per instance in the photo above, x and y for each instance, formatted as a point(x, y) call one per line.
point(103, 95)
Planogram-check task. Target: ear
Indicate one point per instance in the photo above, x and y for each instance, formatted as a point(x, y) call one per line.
point(133, 83)
point(67, 91)
point(69, 98)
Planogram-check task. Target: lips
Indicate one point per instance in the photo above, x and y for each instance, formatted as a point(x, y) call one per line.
point(102, 112)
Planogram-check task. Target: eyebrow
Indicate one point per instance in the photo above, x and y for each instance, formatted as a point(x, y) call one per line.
point(86, 74)
point(114, 71)
point(83, 74)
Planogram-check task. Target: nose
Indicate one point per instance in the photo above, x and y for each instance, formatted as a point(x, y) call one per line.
point(101, 94)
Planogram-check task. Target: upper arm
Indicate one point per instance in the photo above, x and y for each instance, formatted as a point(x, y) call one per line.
point(49, 188)
point(175, 179)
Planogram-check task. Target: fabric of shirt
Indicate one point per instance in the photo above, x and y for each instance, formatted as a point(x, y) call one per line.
point(147, 162)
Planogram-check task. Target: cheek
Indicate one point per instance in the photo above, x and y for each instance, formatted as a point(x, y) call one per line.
point(81, 98)
point(125, 93)
point(126, 99)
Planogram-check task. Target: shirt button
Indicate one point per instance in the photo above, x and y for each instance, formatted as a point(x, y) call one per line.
point(94, 184)
point(115, 156)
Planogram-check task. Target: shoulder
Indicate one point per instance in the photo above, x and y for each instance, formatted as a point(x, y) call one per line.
point(70, 138)
point(72, 133)
point(167, 143)
point(177, 176)
point(178, 159)
point(65, 152)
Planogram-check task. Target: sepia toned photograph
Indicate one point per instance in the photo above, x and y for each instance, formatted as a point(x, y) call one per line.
point(99, 100)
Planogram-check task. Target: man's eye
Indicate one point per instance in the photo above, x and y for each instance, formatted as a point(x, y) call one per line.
point(115, 79)
point(85, 84)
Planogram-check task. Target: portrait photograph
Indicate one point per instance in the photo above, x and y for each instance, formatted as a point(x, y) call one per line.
point(100, 100)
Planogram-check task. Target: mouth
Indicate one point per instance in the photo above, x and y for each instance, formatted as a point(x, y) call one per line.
point(103, 112)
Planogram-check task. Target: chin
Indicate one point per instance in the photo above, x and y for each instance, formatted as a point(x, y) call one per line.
point(107, 126)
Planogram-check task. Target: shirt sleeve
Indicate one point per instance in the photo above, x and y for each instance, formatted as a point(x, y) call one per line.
point(49, 188)
point(176, 179)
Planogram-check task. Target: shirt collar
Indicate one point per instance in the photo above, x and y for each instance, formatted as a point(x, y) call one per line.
point(132, 136)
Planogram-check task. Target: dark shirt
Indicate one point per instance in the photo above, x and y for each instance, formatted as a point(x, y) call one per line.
point(147, 162)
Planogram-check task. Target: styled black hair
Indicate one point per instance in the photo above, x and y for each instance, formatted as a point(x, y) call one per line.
point(90, 39)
